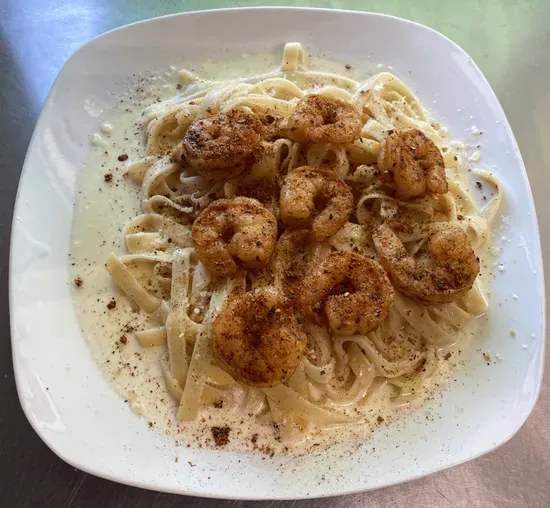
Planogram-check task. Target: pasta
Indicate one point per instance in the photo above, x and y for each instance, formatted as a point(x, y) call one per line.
point(165, 275)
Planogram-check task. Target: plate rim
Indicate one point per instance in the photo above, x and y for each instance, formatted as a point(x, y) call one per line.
point(333, 491)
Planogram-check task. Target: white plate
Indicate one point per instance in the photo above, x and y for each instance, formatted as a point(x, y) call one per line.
point(61, 390)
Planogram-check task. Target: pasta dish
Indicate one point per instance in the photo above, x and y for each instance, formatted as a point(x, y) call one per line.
point(304, 242)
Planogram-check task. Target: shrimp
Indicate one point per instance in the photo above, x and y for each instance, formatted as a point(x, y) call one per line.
point(258, 338)
point(317, 199)
point(233, 232)
point(222, 146)
point(413, 164)
point(446, 272)
point(349, 292)
point(321, 119)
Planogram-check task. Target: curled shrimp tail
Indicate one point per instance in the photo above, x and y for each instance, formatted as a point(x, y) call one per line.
point(413, 164)
point(258, 338)
point(444, 273)
point(315, 199)
point(234, 232)
point(347, 291)
point(222, 146)
point(321, 119)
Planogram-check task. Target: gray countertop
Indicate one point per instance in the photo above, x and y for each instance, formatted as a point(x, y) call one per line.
point(510, 41)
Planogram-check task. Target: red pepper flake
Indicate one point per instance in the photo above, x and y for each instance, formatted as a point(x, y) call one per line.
point(123, 339)
point(112, 304)
point(107, 177)
point(122, 157)
point(78, 282)
point(380, 419)
point(479, 186)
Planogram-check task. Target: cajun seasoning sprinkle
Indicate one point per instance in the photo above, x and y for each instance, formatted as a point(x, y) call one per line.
point(122, 157)
point(221, 435)
point(78, 282)
point(123, 339)
point(107, 177)
point(112, 304)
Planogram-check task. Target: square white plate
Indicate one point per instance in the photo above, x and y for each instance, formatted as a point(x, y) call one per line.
point(61, 390)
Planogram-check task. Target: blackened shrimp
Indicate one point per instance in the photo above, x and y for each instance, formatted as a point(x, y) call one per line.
point(234, 232)
point(445, 272)
point(316, 199)
point(348, 292)
point(321, 119)
point(222, 146)
point(258, 338)
point(413, 164)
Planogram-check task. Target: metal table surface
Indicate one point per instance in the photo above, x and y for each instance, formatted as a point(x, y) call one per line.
point(509, 40)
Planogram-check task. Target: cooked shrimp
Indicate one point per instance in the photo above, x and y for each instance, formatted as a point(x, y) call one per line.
point(413, 164)
point(347, 291)
point(222, 146)
point(444, 273)
point(321, 119)
point(258, 338)
point(317, 199)
point(233, 232)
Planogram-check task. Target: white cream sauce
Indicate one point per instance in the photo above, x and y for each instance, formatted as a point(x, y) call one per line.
point(105, 203)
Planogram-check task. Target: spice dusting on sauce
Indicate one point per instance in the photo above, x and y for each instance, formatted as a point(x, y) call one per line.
point(221, 435)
